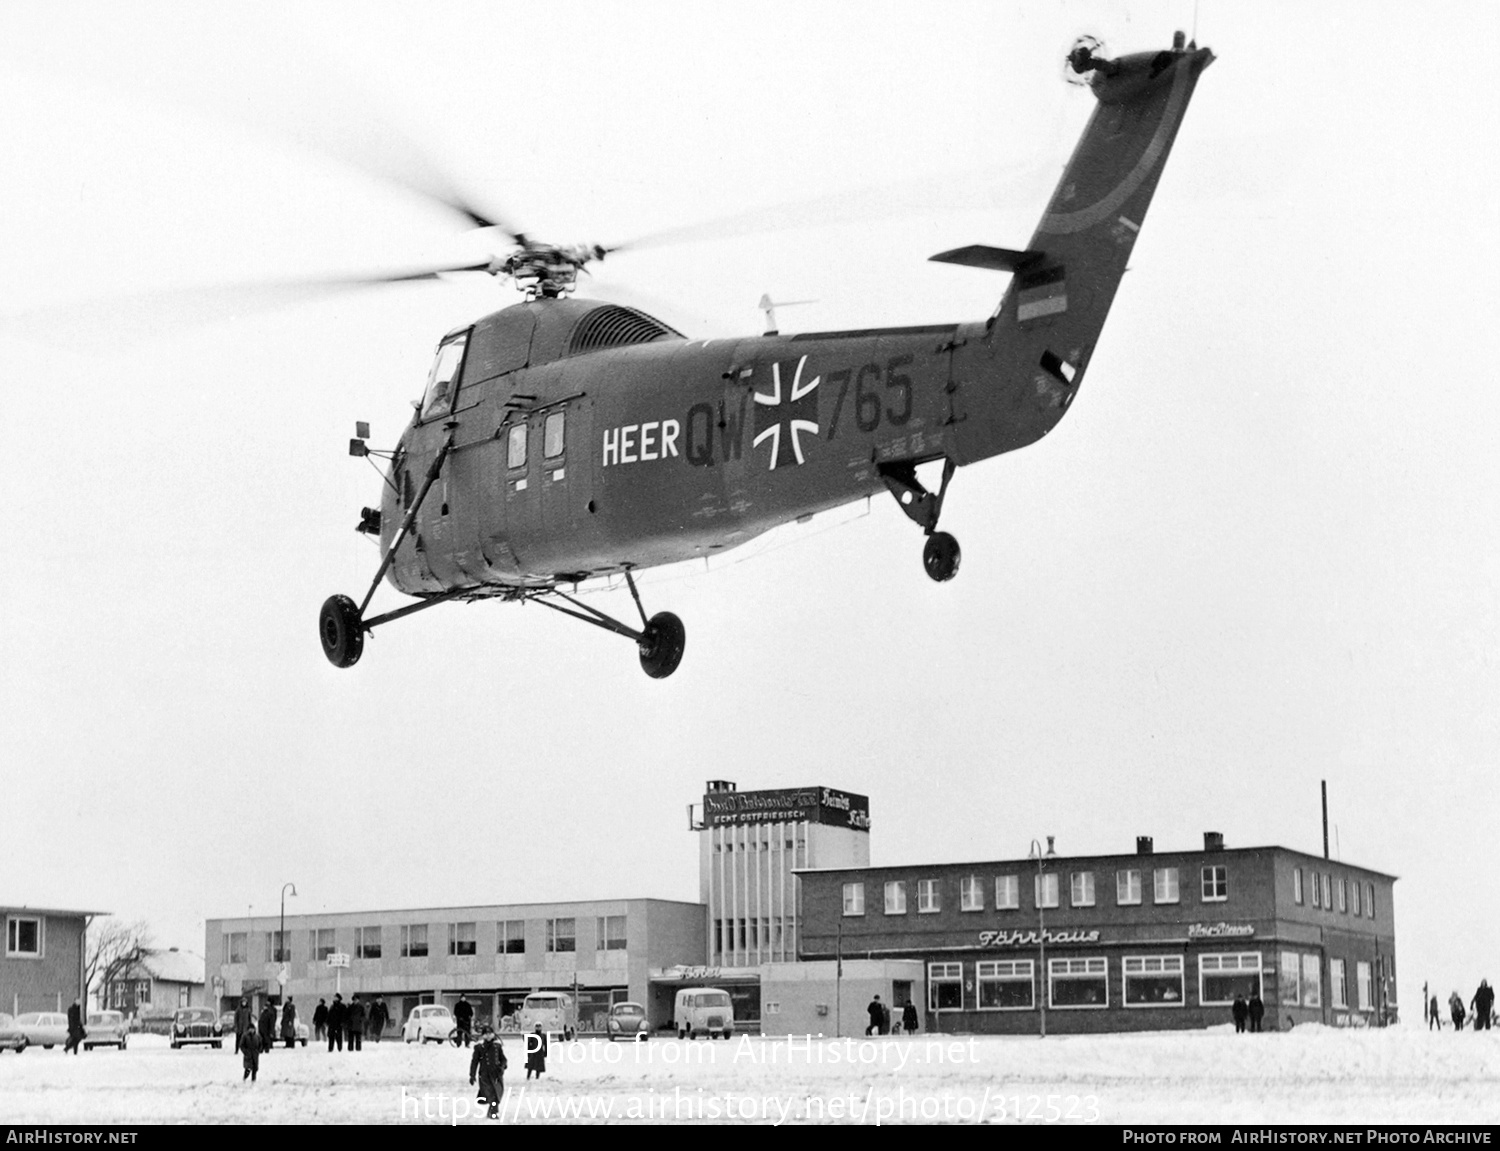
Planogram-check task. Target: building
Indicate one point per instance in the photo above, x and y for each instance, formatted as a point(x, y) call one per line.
point(1120, 942)
point(601, 951)
point(43, 965)
point(161, 982)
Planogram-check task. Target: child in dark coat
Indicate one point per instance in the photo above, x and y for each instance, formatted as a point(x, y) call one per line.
point(250, 1049)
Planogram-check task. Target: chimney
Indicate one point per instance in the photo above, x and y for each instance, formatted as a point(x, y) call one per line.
point(1051, 851)
point(717, 785)
point(1213, 841)
point(1143, 845)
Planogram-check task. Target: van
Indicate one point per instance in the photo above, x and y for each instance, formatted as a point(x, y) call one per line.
point(703, 1011)
point(553, 1010)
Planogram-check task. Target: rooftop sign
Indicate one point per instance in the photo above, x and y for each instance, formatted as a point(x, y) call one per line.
point(788, 805)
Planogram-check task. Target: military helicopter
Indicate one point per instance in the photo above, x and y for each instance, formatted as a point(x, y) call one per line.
point(561, 440)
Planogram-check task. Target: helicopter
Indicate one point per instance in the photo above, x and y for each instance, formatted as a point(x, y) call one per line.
point(561, 440)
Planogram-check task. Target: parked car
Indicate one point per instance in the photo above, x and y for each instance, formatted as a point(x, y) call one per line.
point(553, 1010)
point(429, 1023)
point(196, 1025)
point(628, 1021)
point(105, 1029)
point(11, 1037)
point(43, 1028)
point(703, 1011)
point(302, 1030)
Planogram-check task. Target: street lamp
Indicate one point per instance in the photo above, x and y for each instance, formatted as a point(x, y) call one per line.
point(1041, 923)
point(281, 948)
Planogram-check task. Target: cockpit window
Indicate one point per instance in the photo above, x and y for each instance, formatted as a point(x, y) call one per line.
point(443, 381)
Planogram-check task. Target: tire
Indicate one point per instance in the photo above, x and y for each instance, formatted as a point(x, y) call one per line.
point(662, 645)
point(341, 631)
point(218, 1045)
point(941, 556)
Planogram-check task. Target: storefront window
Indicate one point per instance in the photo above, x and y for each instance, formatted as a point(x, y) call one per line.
point(1153, 980)
point(1312, 981)
point(1291, 978)
point(1362, 986)
point(1006, 985)
point(945, 986)
point(1222, 977)
point(1078, 983)
point(1337, 991)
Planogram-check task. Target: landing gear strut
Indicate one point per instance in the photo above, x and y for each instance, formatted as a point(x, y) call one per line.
point(661, 640)
point(941, 554)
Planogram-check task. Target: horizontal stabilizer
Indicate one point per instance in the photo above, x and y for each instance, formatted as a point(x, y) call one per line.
point(996, 259)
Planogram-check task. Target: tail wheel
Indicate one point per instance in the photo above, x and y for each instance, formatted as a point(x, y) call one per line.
point(341, 630)
point(662, 644)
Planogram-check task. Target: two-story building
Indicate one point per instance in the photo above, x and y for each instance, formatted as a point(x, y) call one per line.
point(42, 966)
point(1120, 942)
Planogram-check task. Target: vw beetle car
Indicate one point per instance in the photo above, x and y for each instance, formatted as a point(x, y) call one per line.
point(196, 1025)
point(105, 1029)
point(429, 1023)
point(628, 1021)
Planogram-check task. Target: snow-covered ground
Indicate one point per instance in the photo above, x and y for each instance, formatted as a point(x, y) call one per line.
point(1309, 1075)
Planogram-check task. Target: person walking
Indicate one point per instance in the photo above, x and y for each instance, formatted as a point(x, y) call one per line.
point(463, 1015)
point(909, 1022)
point(487, 1066)
point(267, 1026)
point(242, 1022)
point(380, 1015)
point(876, 1011)
point(356, 1024)
point(1257, 1008)
point(289, 1023)
point(1241, 1011)
point(320, 1020)
point(1457, 1010)
point(75, 1027)
point(338, 1017)
point(1483, 1004)
point(1434, 1017)
point(536, 1052)
point(250, 1050)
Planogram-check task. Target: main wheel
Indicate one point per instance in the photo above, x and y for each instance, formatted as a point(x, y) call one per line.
point(940, 556)
point(662, 644)
point(341, 630)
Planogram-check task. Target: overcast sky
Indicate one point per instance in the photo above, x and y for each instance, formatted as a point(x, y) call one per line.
point(1261, 550)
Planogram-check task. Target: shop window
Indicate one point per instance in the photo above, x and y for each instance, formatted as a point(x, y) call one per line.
point(1215, 883)
point(854, 899)
point(561, 935)
point(1223, 976)
point(1296, 885)
point(1006, 985)
point(929, 899)
point(23, 937)
point(1153, 980)
point(1362, 986)
point(414, 941)
point(945, 986)
point(1007, 892)
point(609, 933)
point(1044, 889)
point(1291, 978)
point(1166, 885)
point(1128, 887)
point(1312, 981)
point(971, 893)
point(1338, 993)
point(552, 436)
point(1083, 889)
point(1078, 983)
point(510, 937)
point(367, 943)
point(895, 897)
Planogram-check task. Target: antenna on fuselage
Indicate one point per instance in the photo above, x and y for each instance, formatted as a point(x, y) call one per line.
point(769, 306)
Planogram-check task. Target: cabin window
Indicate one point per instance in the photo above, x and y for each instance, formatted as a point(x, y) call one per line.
point(443, 381)
point(515, 455)
point(552, 437)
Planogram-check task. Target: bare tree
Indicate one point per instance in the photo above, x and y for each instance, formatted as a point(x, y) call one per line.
point(113, 949)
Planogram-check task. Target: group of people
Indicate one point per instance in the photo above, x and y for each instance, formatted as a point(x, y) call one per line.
point(880, 1019)
point(487, 1066)
point(342, 1022)
point(1247, 1013)
point(1483, 1005)
point(254, 1035)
